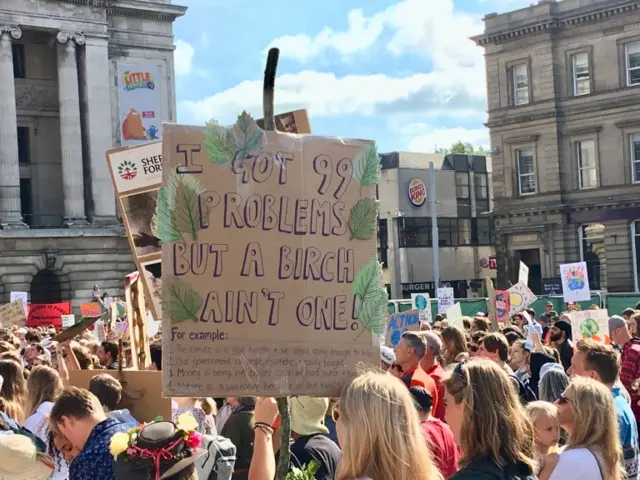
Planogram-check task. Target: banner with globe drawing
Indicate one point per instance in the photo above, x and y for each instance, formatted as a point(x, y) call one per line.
point(575, 282)
point(590, 324)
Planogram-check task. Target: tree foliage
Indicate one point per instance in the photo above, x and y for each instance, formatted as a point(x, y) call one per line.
point(461, 148)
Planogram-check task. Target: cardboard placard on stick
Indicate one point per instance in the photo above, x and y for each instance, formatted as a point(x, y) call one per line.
point(399, 323)
point(142, 391)
point(12, 314)
point(136, 173)
point(271, 283)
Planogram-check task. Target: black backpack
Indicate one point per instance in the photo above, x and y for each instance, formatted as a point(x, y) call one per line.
point(524, 391)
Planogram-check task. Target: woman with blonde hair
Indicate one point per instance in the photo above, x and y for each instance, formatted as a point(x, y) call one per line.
point(45, 386)
point(13, 389)
point(454, 343)
point(593, 451)
point(378, 428)
point(488, 422)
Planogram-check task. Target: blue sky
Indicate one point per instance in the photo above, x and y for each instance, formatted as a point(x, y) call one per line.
point(402, 73)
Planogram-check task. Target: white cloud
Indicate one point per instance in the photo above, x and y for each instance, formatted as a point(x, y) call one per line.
point(324, 94)
point(362, 34)
point(426, 138)
point(183, 57)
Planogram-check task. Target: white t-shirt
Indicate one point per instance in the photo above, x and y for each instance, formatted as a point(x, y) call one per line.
point(576, 464)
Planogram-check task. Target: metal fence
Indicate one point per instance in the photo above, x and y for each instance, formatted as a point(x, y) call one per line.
point(616, 303)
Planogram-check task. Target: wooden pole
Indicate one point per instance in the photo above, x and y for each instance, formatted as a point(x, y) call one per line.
point(268, 115)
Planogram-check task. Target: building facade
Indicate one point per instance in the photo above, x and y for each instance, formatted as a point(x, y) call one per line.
point(60, 234)
point(463, 193)
point(563, 87)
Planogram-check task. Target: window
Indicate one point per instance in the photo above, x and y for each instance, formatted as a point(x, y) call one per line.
point(383, 242)
point(526, 172)
point(447, 232)
point(24, 157)
point(592, 250)
point(25, 200)
point(635, 157)
point(480, 184)
point(587, 171)
point(581, 80)
point(464, 231)
point(17, 49)
point(462, 185)
point(482, 231)
point(520, 76)
point(414, 232)
point(632, 54)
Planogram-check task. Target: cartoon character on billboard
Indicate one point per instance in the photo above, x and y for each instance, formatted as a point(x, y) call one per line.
point(132, 127)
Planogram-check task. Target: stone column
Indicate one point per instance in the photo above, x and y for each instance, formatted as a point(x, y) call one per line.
point(70, 129)
point(10, 208)
point(99, 134)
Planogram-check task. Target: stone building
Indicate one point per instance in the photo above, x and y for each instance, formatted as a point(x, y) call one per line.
point(463, 196)
point(563, 85)
point(59, 112)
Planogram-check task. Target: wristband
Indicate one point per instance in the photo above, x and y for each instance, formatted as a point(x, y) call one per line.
point(265, 427)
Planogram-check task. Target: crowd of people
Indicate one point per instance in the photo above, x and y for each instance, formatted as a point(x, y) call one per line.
point(522, 402)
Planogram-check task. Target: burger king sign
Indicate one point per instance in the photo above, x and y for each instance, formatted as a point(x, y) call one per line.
point(417, 192)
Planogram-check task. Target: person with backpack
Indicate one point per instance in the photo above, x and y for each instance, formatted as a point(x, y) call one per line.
point(495, 347)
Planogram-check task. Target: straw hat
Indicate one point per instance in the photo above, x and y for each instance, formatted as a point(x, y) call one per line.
point(20, 460)
point(307, 415)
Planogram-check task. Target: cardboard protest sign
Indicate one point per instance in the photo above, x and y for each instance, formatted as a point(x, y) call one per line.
point(24, 296)
point(491, 304)
point(520, 297)
point(501, 299)
point(422, 303)
point(523, 274)
point(68, 321)
point(454, 316)
point(45, 314)
point(271, 283)
point(445, 299)
point(399, 323)
point(590, 324)
point(142, 391)
point(12, 314)
point(575, 282)
point(136, 173)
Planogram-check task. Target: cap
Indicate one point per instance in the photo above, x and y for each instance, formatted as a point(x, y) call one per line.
point(387, 355)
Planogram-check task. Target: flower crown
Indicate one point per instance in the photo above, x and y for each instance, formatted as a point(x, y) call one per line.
point(125, 442)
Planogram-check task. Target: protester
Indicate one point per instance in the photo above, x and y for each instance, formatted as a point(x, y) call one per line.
point(409, 353)
point(309, 437)
point(479, 324)
point(13, 389)
point(520, 361)
point(630, 367)
point(538, 360)
point(387, 358)
point(560, 337)
point(489, 424)
point(474, 343)
point(593, 450)
point(239, 428)
point(108, 355)
point(189, 404)
point(544, 417)
point(553, 381)
point(21, 460)
point(453, 344)
point(436, 433)
point(79, 416)
point(430, 363)
point(108, 390)
point(601, 363)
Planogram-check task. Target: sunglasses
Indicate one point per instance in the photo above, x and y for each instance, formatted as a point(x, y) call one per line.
point(563, 400)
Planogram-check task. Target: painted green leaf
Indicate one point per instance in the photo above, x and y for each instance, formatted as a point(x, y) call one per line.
point(250, 138)
point(186, 217)
point(371, 296)
point(219, 143)
point(362, 219)
point(162, 225)
point(366, 166)
point(180, 301)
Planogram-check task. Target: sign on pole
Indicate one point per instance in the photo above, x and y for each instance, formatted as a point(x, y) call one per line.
point(523, 274)
point(520, 297)
point(590, 324)
point(422, 303)
point(445, 299)
point(575, 282)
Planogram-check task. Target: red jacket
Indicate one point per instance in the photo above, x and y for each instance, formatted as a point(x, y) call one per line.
point(417, 377)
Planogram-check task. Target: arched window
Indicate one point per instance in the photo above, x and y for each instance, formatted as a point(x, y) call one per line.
point(46, 288)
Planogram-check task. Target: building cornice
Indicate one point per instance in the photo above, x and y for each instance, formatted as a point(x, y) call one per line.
point(135, 8)
point(571, 19)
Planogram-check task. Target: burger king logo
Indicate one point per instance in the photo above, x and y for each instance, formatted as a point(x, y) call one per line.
point(417, 192)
